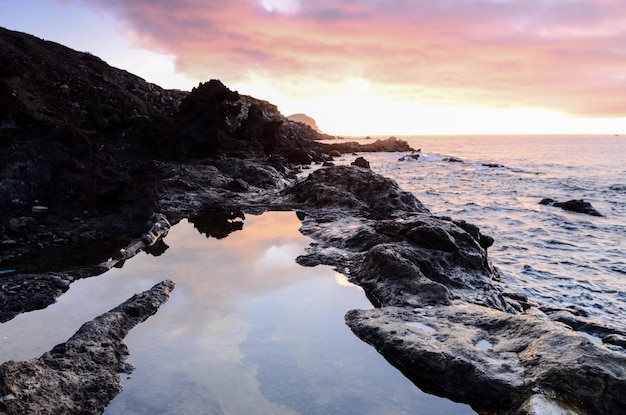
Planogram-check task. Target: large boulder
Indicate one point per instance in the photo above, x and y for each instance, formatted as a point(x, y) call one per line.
point(428, 260)
point(355, 189)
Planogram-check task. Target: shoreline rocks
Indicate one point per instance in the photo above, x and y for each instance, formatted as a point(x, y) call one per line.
point(21, 293)
point(497, 362)
point(104, 151)
point(442, 316)
point(80, 376)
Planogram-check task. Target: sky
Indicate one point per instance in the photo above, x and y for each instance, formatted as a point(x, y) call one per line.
point(369, 67)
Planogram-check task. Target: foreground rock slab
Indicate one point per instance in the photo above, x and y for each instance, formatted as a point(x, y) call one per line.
point(497, 362)
point(80, 376)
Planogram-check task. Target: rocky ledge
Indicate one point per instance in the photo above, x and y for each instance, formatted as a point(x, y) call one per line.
point(80, 376)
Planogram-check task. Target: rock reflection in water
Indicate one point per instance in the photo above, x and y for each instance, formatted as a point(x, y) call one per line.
point(246, 331)
point(218, 224)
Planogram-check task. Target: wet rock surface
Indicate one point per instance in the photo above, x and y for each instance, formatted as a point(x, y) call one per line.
point(80, 376)
point(354, 188)
point(495, 361)
point(20, 292)
point(444, 319)
point(578, 206)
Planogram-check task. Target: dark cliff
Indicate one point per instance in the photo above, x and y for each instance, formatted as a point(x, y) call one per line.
point(80, 137)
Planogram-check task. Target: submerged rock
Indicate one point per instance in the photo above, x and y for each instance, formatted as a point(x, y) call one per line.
point(80, 376)
point(578, 206)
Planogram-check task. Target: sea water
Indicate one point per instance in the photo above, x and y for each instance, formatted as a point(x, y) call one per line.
point(246, 331)
point(557, 258)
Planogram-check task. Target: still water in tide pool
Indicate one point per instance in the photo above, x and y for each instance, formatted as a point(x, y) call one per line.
point(246, 331)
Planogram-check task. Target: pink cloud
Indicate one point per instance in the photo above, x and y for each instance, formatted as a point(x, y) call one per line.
point(564, 55)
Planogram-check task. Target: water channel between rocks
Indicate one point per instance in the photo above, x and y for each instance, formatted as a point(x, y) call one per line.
point(247, 330)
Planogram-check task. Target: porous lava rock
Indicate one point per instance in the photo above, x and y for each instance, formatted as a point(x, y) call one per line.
point(80, 376)
point(497, 362)
point(354, 189)
point(442, 315)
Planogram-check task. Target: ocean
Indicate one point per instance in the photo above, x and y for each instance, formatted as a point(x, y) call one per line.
point(555, 257)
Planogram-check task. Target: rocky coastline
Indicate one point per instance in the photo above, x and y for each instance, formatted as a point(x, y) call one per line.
point(96, 156)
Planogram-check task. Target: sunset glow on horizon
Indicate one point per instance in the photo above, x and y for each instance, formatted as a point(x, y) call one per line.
point(370, 67)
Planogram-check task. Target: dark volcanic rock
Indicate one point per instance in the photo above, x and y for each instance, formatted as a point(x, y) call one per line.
point(578, 206)
point(71, 145)
point(91, 152)
point(212, 119)
point(361, 162)
point(354, 188)
point(497, 362)
point(20, 292)
point(80, 376)
point(442, 316)
point(391, 144)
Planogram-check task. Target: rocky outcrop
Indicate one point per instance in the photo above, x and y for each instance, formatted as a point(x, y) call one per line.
point(578, 206)
point(395, 249)
point(361, 162)
point(391, 144)
point(303, 118)
point(80, 376)
point(497, 362)
point(354, 189)
point(212, 120)
point(443, 317)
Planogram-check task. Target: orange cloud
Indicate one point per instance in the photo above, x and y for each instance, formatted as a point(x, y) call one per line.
point(567, 56)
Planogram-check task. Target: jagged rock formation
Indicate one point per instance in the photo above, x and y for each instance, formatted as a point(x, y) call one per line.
point(442, 317)
point(80, 376)
point(355, 189)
